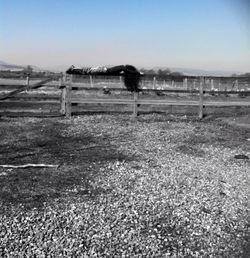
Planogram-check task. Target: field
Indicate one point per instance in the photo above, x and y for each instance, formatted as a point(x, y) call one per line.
point(157, 186)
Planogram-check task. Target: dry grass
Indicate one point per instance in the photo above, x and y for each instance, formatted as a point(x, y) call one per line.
point(160, 186)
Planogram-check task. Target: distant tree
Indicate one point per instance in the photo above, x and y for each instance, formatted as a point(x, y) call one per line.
point(147, 71)
point(151, 71)
point(245, 75)
point(160, 72)
point(164, 72)
point(176, 74)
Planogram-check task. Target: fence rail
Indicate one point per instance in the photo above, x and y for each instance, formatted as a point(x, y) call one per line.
point(211, 92)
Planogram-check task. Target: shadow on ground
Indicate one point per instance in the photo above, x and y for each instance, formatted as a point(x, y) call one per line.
point(79, 158)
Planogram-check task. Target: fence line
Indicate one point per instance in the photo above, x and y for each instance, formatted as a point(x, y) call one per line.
point(68, 100)
point(68, 88)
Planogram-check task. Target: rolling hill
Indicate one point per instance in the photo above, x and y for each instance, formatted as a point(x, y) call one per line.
point(6, 66)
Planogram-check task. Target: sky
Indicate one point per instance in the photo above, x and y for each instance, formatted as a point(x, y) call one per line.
point(202, 34)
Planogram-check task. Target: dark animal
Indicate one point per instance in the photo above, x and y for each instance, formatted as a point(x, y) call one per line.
point(130, 74)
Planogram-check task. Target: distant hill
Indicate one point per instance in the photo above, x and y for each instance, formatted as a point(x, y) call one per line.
point(199, 72)
point(13, 67)
point(6, 66)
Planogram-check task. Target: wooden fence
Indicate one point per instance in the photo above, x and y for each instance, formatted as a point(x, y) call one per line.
point(69, 94)
point(69, 98)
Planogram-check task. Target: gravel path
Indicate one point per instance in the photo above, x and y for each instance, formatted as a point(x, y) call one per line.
point(158, 186)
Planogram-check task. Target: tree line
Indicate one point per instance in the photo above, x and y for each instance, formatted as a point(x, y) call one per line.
point(160, 72)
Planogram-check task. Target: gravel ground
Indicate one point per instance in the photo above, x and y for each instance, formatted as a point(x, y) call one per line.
point(158, 186)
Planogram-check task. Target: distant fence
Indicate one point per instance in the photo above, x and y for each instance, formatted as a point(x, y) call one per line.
point(173, 82)
point(61, 95)
point(30, 97)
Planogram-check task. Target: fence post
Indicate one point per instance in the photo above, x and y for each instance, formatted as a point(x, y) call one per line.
point(64, 77)
point(60, 82)
point(237, 85)
point(27, 80)
point(154, 82)
point(63, 100)
point(121, 81)
point(135, 107)
point(63, 95)
point(194, 84)
point(91, 81)
point(212, 84)
point(142, 83)
point(68, 101)
point(185, 84)
point(68, 98)
point(201, 99)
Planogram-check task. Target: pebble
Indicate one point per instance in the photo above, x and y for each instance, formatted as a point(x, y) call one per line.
point(241, 156)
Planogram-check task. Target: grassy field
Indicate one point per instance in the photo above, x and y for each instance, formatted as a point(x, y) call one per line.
point(158, 186)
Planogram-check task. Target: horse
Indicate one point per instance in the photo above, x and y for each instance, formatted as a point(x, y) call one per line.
point(130, 74)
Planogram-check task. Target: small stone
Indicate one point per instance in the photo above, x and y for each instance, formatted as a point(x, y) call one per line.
point(241, 156)
point(204, 209)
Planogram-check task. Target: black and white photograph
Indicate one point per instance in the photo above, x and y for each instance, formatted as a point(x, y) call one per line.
point(125, 128)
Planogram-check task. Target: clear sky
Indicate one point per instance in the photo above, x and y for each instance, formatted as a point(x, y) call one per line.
point(205, 34)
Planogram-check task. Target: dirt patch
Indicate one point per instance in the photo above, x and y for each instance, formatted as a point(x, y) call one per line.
point(225, 135)
point(44, 142)
point(191, 150)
